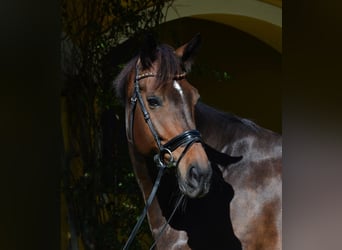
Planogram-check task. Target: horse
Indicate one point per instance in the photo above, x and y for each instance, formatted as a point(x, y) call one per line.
point(217, 191)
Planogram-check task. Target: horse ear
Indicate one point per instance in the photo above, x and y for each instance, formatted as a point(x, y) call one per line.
point(148, 51)
point(188, 51)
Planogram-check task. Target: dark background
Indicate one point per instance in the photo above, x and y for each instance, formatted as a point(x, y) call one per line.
point(31, 138)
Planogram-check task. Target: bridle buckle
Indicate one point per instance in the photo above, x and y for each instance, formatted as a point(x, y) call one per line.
point(161, 161)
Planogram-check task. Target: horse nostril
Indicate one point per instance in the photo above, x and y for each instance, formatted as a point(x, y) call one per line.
point(194, 175)
point(197, 181)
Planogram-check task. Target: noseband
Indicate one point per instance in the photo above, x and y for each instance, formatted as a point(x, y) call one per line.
point(185, 139)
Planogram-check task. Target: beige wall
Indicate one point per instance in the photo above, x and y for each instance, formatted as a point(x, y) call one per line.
point(262, 19)
point(241, 37)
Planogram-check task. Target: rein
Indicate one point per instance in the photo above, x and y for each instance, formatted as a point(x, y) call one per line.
point(185, 139)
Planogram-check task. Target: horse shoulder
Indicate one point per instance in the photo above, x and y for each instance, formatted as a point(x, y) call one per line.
point(256, 179)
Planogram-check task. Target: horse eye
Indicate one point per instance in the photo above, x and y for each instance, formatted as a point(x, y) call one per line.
point(154, 101)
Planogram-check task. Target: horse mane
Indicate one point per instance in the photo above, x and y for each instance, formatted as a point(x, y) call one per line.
point(165, 56)
point(122, 79)
point(226, 118)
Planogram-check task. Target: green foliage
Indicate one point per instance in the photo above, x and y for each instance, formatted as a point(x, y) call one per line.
point(102, 195)
point(205, 70)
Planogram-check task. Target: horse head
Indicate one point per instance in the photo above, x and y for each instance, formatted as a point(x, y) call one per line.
point(159, 104)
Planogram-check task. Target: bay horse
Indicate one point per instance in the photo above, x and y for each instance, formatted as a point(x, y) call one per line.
point(227, 168)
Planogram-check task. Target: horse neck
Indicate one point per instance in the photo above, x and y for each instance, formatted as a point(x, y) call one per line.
point(232, 134)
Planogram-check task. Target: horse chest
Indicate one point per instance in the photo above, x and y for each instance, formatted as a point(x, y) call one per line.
point(256, 206)
point(206, 220)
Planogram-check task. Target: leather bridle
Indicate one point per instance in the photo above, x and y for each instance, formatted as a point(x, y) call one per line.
point(185, 139)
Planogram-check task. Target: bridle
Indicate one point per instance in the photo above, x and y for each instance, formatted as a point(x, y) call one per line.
point(186, 139)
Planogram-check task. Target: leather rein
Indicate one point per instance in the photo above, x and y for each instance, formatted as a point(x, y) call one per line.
point(186, 139)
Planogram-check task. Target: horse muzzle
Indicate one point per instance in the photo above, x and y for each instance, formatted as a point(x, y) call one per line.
point(194, 170)
point(196, 183)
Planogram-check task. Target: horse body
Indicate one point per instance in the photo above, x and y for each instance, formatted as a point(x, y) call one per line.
point(256, 179)
point(243, 198)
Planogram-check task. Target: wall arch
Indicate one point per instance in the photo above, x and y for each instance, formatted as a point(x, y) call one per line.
point(261, 19)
